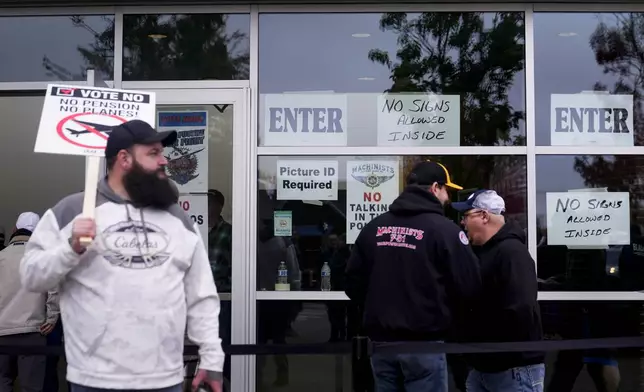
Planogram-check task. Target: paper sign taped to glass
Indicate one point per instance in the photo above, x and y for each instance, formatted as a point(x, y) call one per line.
point(188, 157)
point(371, 188)
point(307, 180)
point(597, 119)
point(588, 218)
point(419, 119)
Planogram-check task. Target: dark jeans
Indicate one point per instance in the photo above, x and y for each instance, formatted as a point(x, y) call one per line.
point(225, 314)
point(80, 388)
point(30, 369)
point(410, 373)
point(55, 338)
point(520, 379)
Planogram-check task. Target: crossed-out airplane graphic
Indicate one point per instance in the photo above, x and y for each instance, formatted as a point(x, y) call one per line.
point(106, 129)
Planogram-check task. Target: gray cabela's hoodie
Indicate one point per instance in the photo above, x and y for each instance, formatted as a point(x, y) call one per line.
point(125, 302)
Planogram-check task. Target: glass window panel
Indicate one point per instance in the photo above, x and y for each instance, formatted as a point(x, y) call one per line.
point(186, 47)
point(345, 62)
point(603, 261)
point(314, 223)
point(56, 48)
point(590, 370)
point(37, 181)
point(302, 322)
point(601, 66)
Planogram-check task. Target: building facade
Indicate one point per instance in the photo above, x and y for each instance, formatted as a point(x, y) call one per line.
point(306, 118)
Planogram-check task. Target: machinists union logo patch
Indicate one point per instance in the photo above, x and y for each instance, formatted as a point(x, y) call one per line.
point(373, 174)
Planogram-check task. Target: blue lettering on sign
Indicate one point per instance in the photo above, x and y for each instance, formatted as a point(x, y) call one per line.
point(322, 120)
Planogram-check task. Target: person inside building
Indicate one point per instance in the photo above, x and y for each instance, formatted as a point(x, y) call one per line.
point(220, 234)
point(508, 310)
point(219, 241)
point(128, 297)
point(26, 318)
point(415, 275)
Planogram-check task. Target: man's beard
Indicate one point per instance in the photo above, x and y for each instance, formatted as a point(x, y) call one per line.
point(147, 189)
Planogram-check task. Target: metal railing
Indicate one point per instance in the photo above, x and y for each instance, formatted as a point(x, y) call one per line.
point(361, 349)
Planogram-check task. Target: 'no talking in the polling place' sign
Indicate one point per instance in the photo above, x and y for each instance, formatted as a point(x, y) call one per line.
point(77, 120)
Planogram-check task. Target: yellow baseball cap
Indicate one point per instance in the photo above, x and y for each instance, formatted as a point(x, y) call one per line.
point(429, 172)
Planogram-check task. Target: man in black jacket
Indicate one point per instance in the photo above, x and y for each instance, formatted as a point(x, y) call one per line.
point(414, 274)
point(508, 309)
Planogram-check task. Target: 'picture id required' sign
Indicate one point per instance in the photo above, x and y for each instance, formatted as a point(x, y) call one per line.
point(588, 218)
point(307, 180)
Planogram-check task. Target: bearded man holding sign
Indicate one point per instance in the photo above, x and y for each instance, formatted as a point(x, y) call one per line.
point(127, 296)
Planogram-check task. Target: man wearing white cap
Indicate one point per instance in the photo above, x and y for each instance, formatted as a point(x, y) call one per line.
point(25, 317)
point(508, 310)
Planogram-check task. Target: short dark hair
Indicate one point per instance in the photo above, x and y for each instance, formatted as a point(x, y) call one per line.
point(217, 196)
point(111, 161)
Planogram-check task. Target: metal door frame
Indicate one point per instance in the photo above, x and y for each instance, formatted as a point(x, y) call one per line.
point(242, 294)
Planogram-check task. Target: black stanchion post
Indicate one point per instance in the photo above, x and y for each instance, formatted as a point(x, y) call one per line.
point(362, 379)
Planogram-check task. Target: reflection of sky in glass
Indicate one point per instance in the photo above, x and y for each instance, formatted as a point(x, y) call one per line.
point(564, 64)
point(325, 56)
point(25, 41)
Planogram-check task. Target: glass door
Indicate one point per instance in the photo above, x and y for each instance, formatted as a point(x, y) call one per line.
point(208, 166)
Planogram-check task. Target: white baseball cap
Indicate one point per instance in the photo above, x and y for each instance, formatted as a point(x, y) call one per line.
point(483, 199)
point(27, 221)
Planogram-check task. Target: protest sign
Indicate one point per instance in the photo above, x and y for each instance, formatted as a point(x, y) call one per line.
point(188, 157)
point(419, 120)
point(588, 218)
point(307, 180)
point(371, 187)
point(78, 120)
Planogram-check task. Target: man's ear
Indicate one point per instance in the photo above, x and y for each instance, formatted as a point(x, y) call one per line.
point(124, 159)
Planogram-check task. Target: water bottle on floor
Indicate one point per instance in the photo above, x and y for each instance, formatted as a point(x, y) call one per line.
point(326, 277)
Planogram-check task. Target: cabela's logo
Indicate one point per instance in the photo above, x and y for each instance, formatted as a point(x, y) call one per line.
point(373, 174)
point(135, 245)
point(183, 164)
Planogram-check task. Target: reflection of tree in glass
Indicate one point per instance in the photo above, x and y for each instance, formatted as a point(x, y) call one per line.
point(99, 58)
point(176, 47)
point(461, 54)
point(619, 49)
